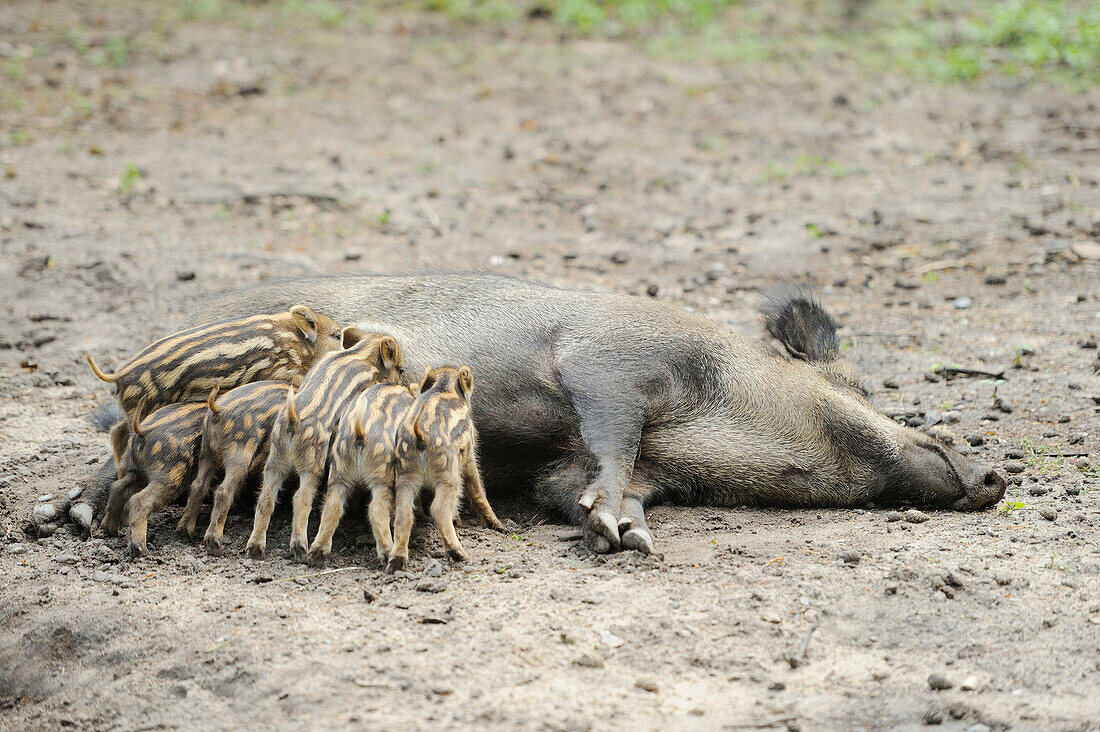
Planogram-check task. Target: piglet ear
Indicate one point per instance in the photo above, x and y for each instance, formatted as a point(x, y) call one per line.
point(350, 336)
point(389, 354)
point(305, 320)
point(427, 380)
point(465, 382)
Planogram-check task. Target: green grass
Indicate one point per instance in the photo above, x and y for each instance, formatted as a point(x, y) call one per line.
point(949, 40)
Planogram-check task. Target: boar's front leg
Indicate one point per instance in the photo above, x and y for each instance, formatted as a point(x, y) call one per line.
point(635, 534)
point(611, 422)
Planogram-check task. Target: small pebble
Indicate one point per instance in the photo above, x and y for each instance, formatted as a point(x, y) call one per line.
point(974, 440)
point(588, 661)
point(962, 303)
point(970, 683)
point(892, 516)
point(647, 685)
point(1014, 466)
point(850, 556)
point(1038, 490)
point(914, 516)
point(890, 383)
point(938, 682)
point(17, 548)
point(1048, 513)
point(185, 275)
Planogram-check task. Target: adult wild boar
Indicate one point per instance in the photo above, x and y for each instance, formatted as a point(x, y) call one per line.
point(598, 405)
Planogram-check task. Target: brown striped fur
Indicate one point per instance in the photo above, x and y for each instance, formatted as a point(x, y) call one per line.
point(363, 453)
point(436, 447)
point(300, 437)
point(161, 452)
point(235, 440)
point(185, 366)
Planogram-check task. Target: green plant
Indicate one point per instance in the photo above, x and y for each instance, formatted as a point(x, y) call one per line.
point(1011, 505)
point(130, 177)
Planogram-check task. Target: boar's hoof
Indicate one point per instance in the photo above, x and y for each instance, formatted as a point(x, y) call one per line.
point(255, 551)
point(638, 539)
point(136, 551)
point(81, 515)
point(213, 546)
point(316, 558)
point(601, 532)
point(396, 564)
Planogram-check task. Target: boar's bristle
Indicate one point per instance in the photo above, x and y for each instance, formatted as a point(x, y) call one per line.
point(106, 416)
point(794, 317)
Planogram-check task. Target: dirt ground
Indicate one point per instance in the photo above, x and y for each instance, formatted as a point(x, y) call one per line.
point(942, 224)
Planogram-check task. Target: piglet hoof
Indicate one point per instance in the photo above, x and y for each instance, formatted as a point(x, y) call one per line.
point(316, 558)
point(458, 555)
point(297, 552)
point(396, 564)
point(496, 525)
point(638, 539)
point(214, 546)
point(136, 551)
point(255, 551)
point(185, 532)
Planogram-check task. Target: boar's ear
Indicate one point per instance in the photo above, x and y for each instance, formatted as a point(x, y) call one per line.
point(350, 336)
point(389, 354)
point(465, 382)
point(427, 380)
point(306, 321)
point(793, 316)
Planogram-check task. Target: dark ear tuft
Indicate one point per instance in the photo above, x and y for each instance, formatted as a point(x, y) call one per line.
point(794, 317)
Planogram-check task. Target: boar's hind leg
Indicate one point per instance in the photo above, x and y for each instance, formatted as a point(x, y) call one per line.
point(611, 422)
point(331, 513)
point(235, 475)
point(200, 489)
point(121, 491)
point(276, 470)
point(143, 504)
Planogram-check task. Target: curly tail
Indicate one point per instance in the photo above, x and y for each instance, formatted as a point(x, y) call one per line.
point(109, 378)
point(291, 412)
point(210, 403)
point(135, 424)
point(418, 431)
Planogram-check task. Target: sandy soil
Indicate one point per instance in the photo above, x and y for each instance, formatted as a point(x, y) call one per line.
point(294, 148)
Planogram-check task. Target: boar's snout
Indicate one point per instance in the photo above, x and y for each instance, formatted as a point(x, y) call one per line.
point(934, 475)
point(985, 487)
